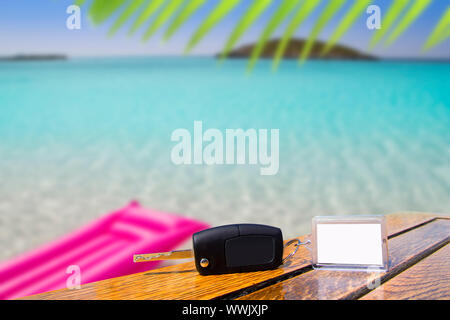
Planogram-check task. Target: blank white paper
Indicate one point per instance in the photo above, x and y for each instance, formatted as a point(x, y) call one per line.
point(349, 244)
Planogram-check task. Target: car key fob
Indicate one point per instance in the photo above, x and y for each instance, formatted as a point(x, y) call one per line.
point(237, 248)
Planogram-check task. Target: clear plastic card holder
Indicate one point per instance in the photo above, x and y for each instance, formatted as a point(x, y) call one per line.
point(350, 243)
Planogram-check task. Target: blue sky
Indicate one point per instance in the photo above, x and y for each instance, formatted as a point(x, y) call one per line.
point(39, 26)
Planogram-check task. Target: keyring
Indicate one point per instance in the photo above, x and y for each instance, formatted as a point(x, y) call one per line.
point(298, 244)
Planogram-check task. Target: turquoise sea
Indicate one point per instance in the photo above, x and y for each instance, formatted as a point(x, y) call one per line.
point(82, 137)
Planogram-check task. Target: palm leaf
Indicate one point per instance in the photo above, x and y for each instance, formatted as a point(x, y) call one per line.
point(394, 11)
point(283, 10)
point(182, 16)
point(151, 8)
point(445, 35)
point(440, 32)
point(302, 13)
point(181, 10)
point(328, 13)
point(218, 13)
point(126, 14)
point(165, 14)
point(253, 12)
point(350, 18)
point(101, 10)
point(413, 13)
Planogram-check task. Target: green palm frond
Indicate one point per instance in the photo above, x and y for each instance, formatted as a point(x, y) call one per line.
point(253, 12)
point(327, 14)
point(413, 13)
point(101, 10)
point(133, 6)
point(175, 13)
point(440, 32)
point(182, 16)
point(162, 17)
point(283, 10)
point(394, 11)
point(302, 13)
point(348, 20)
point(146, 14)
point(445, 35)
point(219, 12)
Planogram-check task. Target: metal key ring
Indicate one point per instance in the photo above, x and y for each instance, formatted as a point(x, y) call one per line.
point(298, 243)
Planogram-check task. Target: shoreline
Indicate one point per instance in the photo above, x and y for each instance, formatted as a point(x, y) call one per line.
point(64, 57)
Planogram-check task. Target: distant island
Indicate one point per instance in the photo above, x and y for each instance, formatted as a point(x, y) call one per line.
point(294, 48)
point(33, 57)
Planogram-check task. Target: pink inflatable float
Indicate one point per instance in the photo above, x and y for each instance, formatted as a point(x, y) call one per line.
point(100, 250)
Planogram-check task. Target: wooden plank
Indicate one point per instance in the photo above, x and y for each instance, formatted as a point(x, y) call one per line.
point(429, 279)
point(175, 282)
point(183, 282)
point(404, 250)
point(402, 222)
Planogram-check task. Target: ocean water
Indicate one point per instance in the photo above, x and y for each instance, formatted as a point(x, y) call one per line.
point(82, 137)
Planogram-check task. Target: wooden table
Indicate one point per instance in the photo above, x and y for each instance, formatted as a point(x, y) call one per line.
point(419, 254)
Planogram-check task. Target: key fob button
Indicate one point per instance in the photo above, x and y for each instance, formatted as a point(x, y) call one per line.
point(249, 251)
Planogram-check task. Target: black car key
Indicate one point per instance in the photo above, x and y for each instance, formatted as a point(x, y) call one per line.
point(229, 249)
